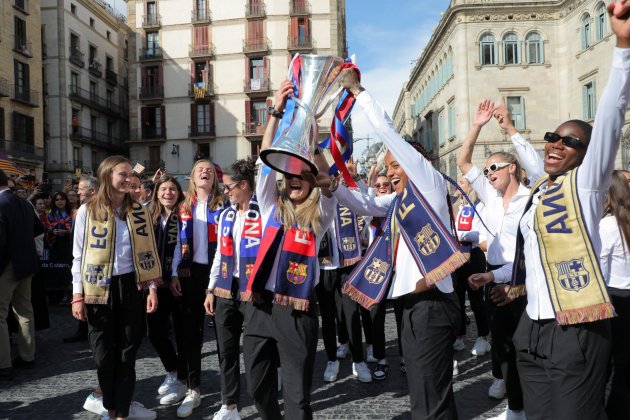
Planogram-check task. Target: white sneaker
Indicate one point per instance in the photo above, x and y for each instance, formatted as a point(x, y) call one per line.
point(225, 414)
point(342, 351)
point(137, 411)
point(497, 389)
point(459, 345)
point(370, 354)
point(94, 404)
point(362, 372)
point(455, 368)
point(481, 347)
point(192, 401)
point(169, 380)
point(510, 415)
point(331, 372)
point(176, 393)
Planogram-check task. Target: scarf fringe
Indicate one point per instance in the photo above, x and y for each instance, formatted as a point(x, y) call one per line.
point(588, 314)
point(351, 261)
point(96, 300)
point(517, 291)
point(358, 296)
point(295, 303)
point(222, 293)
point(447, 267)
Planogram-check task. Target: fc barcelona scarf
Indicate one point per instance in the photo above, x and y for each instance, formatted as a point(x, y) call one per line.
point(251, 233)
point(433, 248)
point(464, 223)
point(186, 235)
point(97, 261)
point(297, 265)
point(576, 285)
point(347, 230)
point(166, 239)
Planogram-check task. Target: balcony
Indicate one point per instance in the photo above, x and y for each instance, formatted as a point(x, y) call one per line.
point(111, 77)
point(254, 128)
point(153, 133)
point(76, 57)
point(95, 138)
point(201, 90)
point(199, 51)
point(256, 86)
point(95, 68)
point(204, 131)
point(255, 45)
point(23, 150)
point(148, 54)
point(299, 43)
point(93, 100)
point(151, 21)
point(255, 9)
point(151, 92)
point(26, 96)
point(23, 47)
point(5, 88)
point(299, 7)
point(201, 16)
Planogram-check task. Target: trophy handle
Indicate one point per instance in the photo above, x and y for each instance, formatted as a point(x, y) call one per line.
point(328, 102)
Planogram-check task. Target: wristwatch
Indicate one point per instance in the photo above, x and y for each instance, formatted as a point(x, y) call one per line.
point(209, 291)
point(272, 111)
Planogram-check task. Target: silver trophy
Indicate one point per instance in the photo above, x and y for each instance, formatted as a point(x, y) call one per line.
point(293, 150)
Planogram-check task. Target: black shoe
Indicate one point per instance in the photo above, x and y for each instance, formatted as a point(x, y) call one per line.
point(6, 374)
point(380, 372)
point(75, 338)
point(20, 363)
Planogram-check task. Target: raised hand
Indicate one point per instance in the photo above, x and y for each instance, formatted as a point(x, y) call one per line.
point(484, 113)
point(503, 117)
point(619, 12)
point(284, 91)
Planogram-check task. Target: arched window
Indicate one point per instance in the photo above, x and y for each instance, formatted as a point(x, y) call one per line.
point(600, 22)
point(534, 49)
point(511, 51)
point(585, 32)
point(488, 49)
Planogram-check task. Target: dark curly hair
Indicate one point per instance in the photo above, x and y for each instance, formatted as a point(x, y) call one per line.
point(242, 170)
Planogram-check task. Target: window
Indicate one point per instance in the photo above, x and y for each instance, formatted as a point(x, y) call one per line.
point(534, 52)
point(151, 11)
point(511, 51)
point(93, 124)
point(73, 8)
point(259, 114)
point(20, 35)
point(586, 32)
point(109, 35)
point(95, 161)
point(92, 22)
point(76, 155)
point(109, 98)
point(441, 133)
point(93, 54)
point(600, 23)
point(75, 120)
point(110, 130)
point(153, 118)
point(154, 158)
point(93, 91)
point(589, 106)
point(109, 63)
point(153, 43)
point(488, 50)
point(74, 81)
point(74, 43)
point(204, 118)
point(451, 120)
point(23, 128)
point(516, 108)
point(201, 72)
point(22, 80)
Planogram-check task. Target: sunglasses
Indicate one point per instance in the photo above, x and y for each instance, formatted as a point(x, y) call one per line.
point(568, 141)
point(495, 167)
point(384, 185)
point(289, 177)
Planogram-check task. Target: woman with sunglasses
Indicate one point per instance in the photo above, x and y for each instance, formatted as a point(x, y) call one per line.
point(498, 186)
point(240, 232)
point(282, 322)
point(197, 229)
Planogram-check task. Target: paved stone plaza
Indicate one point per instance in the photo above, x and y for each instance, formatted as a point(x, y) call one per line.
point(64, 375)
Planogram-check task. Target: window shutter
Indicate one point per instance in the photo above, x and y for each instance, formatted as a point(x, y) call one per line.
point(192, 72)
point(163, 120)
point(248, 71)
point(594, 99)
point(307, 28)
point(212, 121)
point(158, 77)
point(267, 69)
point(294, 29)
point(248, 116)
point(30, 130)
point(193, 119)
point(143, 78)
point(585, 102)
point(16, 124)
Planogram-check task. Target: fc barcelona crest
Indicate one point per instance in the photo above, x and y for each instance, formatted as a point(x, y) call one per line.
point(224, 273)
point(428, 240)
point(296, 273)
point(572, 275)
point(146, 260)
point(376, 271)
point(94, 274)
point(349, 244)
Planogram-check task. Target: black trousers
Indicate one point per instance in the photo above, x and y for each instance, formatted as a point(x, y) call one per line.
point(476, 264)
point(228, 321)
point(190, 323)
point(366, 324)
point(563, 369)
point(503, 323)
point(377, 314)
point(430, 321)
point(618, 401)
point(398, 310)
point(158, 324)
point(278, 333)
point(115, 331)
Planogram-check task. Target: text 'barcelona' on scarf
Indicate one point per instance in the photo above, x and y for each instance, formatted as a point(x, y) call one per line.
point(166, 240)
point(347, 232)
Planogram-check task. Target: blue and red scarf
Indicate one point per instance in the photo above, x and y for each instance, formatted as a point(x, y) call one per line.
point(186, 235)
point(297, 265)
point(348, 236)
point(251, 234)
point(434, 249)
point(166, 240)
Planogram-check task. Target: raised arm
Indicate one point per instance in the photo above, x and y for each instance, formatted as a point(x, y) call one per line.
point(482, 116)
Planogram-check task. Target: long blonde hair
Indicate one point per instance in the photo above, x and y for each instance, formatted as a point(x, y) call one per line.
point(216, 196)
point(306, 216)
point(100, 205)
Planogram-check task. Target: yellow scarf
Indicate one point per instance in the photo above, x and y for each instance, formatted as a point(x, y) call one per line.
point(98, 253)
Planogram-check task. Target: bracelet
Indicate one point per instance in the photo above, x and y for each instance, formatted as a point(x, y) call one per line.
point(209, 291)
point(76, 301)
point(274, 112)
point(334, 184)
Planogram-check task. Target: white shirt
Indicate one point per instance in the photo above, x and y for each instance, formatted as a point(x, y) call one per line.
point(123, 259)
point(529, 158)
point(237, 229)
point(503, 224)
point(424, 177)
point(614, 257)
point(593, 180)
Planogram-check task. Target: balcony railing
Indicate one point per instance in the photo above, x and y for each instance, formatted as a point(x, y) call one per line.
point(254, 128)
point(27, 96)
point(23, 47)
point(151, 21)
point(201, 16)
point(153, 133)
point(93, 100)
point(201, 90)
point(201, 50)
point(254, 45)
point(147, 54)
point(20, 149)
point(76, 57)
point(299, 43)
point(95, 68)
point(111, 77)
point(255, 9)
point(204, 131)
point(299, 7)
point(151, 92)
point(88, 135)
point(5, 89)
point(256, 85)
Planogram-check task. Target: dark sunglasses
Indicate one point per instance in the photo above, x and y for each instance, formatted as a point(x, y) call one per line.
point(289, 177)
point(384, 185)
point(568, 141)
point(495, 167)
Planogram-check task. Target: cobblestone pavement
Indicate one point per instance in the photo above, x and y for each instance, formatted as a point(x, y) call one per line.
point(65, 374)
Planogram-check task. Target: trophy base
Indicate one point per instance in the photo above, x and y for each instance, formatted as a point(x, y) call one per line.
point(286, 162)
